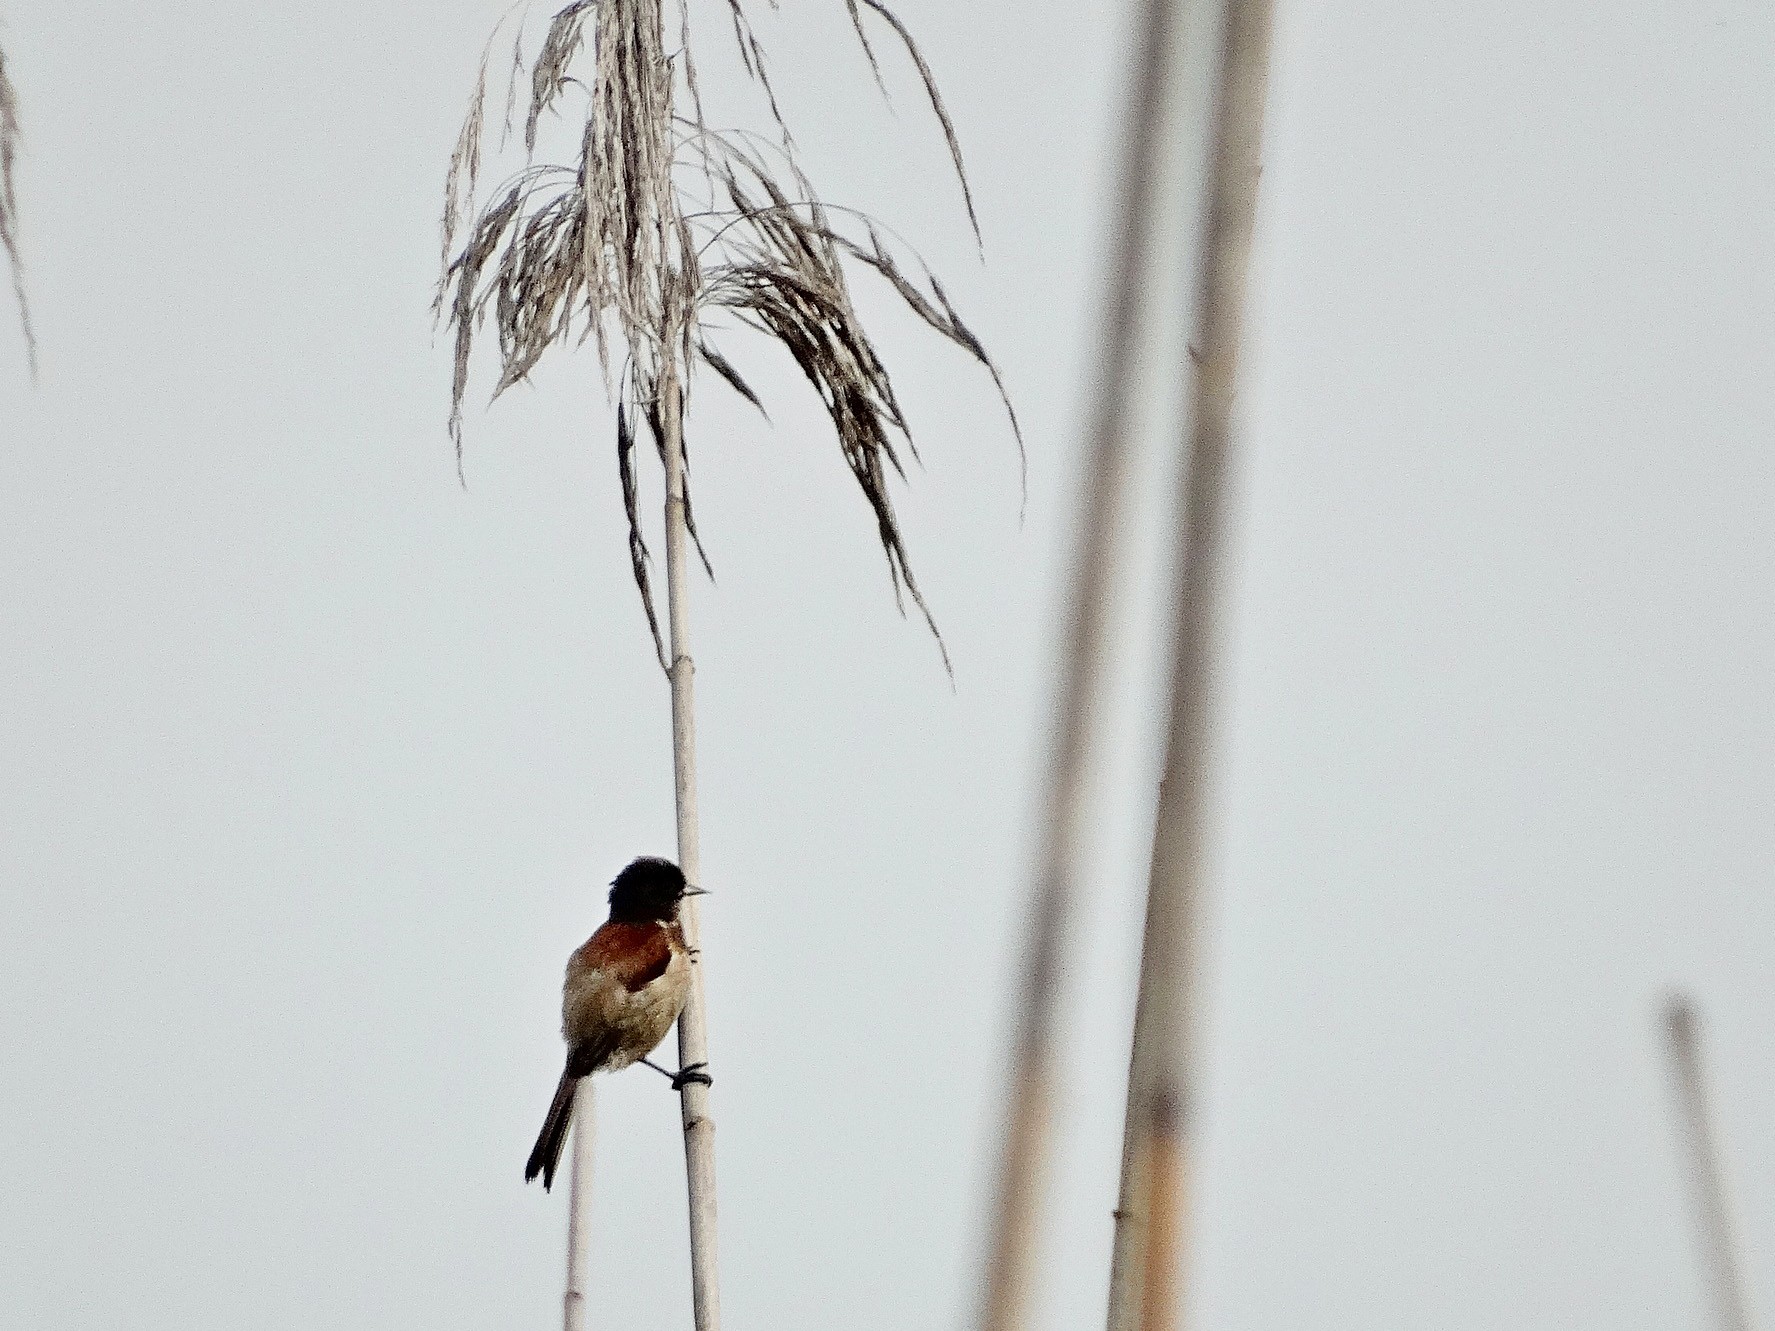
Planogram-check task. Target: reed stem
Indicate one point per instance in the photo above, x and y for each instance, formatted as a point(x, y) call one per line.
point(579, 1208)
point(1103, 481)
point(693, 1030)
point(1150, 1225)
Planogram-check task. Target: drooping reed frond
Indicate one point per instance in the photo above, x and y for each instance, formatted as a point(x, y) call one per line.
point(782, 273)
point(608, 249)
point(9, 237)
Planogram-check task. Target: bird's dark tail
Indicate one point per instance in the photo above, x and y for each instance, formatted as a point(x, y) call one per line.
point(547, 1153)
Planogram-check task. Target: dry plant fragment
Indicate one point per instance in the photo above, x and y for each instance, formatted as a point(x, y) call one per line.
point(9, 241)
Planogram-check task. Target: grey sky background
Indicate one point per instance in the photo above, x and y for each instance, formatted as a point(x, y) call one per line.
point(316, 764)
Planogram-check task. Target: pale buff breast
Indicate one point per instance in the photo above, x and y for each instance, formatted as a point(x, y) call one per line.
point(636, 1022)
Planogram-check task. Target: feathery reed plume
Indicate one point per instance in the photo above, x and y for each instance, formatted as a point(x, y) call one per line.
point(608, 249)
point(1713, 1213)
point(9, 238)
point(1103, 480)
point(1151, 1217)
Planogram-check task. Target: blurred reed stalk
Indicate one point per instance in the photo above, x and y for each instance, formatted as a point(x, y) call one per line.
point(1151, 1218)
point(1103, 484)
point(665, 237)
point(9, 238)
point(1707, 1183)
point(579, 1207)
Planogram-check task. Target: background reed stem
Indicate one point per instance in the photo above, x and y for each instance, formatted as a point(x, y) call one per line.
point(1150, 1224)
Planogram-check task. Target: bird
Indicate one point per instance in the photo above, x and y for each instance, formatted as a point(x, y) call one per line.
point(625, 987)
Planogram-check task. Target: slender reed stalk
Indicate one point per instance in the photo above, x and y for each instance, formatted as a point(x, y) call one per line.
point(693, 1025)
point(1713, 1212)
point(622, 248)
point(579, 1207)
point(1150, 1224)
point(9, 238)
point(1011, 1256)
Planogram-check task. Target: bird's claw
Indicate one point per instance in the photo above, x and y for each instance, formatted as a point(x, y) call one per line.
point(692, 1075)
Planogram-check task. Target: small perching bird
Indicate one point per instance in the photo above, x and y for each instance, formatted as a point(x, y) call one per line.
point(625, 987)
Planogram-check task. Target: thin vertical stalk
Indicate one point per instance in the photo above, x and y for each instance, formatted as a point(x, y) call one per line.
point(1149, 1228)
point(1713, 1213)
point(1103, 482)
point(693, 1030)
point(579, 1208)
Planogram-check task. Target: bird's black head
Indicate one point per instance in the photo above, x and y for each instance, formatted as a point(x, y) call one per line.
point(648, 889)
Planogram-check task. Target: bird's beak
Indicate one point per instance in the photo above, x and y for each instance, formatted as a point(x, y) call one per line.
point(696, 891)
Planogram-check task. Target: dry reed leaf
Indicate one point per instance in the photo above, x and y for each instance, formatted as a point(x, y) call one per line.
point(856, 17)
point(930, 87)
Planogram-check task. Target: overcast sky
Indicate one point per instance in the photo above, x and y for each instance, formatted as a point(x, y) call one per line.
point(316, 763)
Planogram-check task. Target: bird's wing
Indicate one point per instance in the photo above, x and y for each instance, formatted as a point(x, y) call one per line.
point(604, 979)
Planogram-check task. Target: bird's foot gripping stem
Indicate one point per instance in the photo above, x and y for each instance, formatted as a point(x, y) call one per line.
point(694, 1075)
